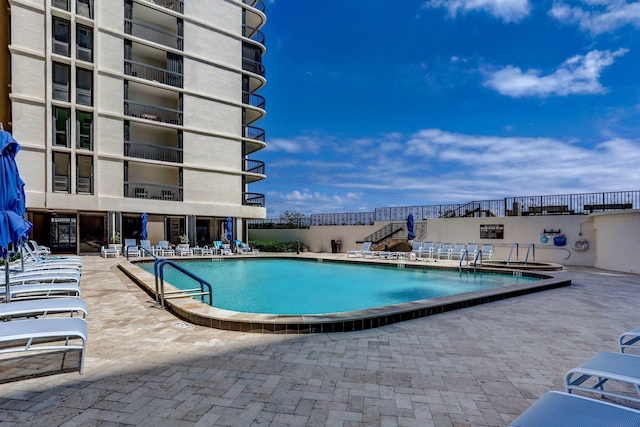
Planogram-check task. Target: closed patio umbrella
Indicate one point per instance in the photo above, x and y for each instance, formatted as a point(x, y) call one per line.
point(410, 234)
point(14, 229)
point(229, 227)
point(145, 220)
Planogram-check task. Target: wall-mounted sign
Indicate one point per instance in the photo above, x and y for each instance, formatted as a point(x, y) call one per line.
point(492, 231)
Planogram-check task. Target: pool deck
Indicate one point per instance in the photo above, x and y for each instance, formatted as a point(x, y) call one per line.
point(477, 366)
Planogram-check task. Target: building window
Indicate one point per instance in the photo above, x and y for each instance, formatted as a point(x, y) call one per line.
point(61, 81)
point(84, 85)
point(61, 120)
point(61, 36)
point(61, 4)
point(85, 8)
point(84, 128)
point(61, 172)
point(84, 174)
point(84, 39)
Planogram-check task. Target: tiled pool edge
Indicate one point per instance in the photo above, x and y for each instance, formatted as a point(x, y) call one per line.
point(201, 314)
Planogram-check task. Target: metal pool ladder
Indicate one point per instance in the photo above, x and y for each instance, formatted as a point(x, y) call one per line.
point(530, 247)
point(465, 254)
point(162, 296)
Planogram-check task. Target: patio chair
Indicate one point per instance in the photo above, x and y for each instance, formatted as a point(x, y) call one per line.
point(242, 247)
point(592, 375)
point(147, 249)
point(364, 248)
point(568, 410)
point(424, 251)
point(108, 252)
point(165, 249)
point(41, 290)
point(43, 276)
point(434, 250)
point(217, 247)
point(184, 251)
point(445, 251)
point(472, 251)
point(457, 251)
point(131, 247)
point(37, 335)
point(42, 307)
point(487, 251)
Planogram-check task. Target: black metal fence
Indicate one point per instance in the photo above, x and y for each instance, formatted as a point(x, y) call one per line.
point(564, 204)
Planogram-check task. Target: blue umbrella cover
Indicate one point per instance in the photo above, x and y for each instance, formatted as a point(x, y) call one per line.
point(229, 227)
point(145, 221)
point(410, 234)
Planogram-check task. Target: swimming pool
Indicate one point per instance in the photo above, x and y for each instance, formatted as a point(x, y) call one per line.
point(303, 287)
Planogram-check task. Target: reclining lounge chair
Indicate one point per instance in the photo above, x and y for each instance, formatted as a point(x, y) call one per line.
point(602, 367)
point(24, 335)
point(364, 248)
point(568, 410)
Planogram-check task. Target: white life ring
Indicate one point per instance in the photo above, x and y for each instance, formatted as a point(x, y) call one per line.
point(580, 245)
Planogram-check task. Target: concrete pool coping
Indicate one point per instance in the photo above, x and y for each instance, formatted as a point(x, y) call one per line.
point(202, 314)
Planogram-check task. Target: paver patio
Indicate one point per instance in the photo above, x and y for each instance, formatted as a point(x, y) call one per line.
point(480, 366)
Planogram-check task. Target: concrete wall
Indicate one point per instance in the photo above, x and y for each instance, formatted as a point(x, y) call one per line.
point(521, 230)
point(618, 245)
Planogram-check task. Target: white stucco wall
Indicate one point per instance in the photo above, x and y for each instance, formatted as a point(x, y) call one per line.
point(618, 245)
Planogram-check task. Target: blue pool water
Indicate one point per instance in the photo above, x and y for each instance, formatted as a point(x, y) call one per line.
point(278, 286)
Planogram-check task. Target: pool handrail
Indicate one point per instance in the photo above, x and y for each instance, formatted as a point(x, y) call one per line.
point(143, 249)
point(530, 246)
point(162, 296)
point(511, 251)
point(465, 254)
point(475, 261)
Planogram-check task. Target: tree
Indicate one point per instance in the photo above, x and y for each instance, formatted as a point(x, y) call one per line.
point(293, 219)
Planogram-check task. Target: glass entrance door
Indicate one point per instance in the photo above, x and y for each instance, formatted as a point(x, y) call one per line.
point(63, 234)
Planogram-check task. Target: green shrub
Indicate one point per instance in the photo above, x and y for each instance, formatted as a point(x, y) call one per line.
point(275, 246)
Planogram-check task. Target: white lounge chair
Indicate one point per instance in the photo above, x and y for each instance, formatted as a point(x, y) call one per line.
point(364, 248)
point(131, 248)
point(425, 251)
point(457, 251)
point(43, 276)
point(184, 251)
point(487, 251)
point(602, 367)
point(445, 251)
point(30, 256)
point(45, 252)
point(109, 252)
point(472, 251)
point(434, 250)
point(42, 307)
point(147, 249)
point(165, 250)
point(29, 332)
point(630, 339)
point(41, 290)
point(557, 409)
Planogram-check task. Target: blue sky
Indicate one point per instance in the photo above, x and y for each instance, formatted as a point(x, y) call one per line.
point(386, 103)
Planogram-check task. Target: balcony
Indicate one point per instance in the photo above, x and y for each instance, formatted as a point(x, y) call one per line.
point(253, 100)
point(253, 199)
point(256, 4)
point(256, 139)
point(152, 112)
point(140, 190)
point(151, 73)
point(252, 66)
point(142, 150)
point(175, 5)
point(254, 166)
point(253, 34)
point(152, 34)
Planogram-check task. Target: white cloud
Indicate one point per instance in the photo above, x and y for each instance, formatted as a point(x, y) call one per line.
point(506, 10)
point(435, 166)
point(578, 75)
point(603, 16)
point(300, 144)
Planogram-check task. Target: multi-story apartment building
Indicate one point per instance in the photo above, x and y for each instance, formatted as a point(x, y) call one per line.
point(125, 107)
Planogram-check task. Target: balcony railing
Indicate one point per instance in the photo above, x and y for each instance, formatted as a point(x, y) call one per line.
point(253, 199)
point(141, 190)
point(175, 5)
point(253, 100)
point(253, 66)
point(149, 72)
point(254, 133)
point(256, 4)
point(254, 166)
point(253, 33)
point(151, 112)
point(142, 150)
point(147, 32)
